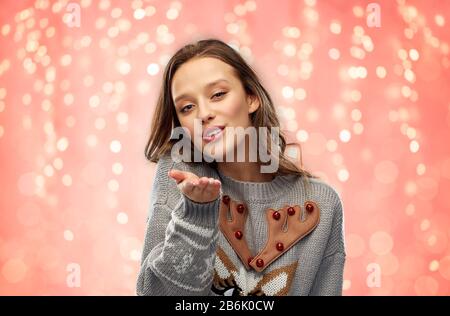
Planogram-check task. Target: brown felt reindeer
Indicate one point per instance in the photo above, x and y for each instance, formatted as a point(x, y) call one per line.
point(287, 226)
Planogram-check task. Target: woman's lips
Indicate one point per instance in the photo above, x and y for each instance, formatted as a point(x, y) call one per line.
point(212, 133)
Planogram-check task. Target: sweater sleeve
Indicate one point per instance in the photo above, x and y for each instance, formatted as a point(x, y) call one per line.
point(329, 277)
point(180, 242)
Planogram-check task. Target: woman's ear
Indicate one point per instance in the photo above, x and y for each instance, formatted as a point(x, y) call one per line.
point(253, 103)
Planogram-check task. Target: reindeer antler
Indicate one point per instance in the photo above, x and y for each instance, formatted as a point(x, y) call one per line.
point(280, 241)
point(233, 229)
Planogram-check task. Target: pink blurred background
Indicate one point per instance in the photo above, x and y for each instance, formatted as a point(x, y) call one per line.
point(370, 106)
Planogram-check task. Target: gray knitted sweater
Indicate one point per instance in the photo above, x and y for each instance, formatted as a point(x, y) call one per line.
point(268, 238)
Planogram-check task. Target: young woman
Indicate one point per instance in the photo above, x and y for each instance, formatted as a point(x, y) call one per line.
point(224, 227)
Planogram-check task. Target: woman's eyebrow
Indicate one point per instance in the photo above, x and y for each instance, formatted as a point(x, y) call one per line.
point(212, 83)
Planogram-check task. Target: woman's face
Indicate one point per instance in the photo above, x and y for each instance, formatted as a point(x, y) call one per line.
point(206, 92)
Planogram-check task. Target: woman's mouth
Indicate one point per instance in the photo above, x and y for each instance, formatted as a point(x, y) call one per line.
point(212, 133)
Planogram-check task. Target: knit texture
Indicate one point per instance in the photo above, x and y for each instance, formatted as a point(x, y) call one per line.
point(185, 252)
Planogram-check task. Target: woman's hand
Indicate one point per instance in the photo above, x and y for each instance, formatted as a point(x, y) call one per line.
point(200, 190)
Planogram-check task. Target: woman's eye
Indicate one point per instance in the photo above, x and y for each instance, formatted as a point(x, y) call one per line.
point(186, 108)
point(219, 94)
point(189, 106)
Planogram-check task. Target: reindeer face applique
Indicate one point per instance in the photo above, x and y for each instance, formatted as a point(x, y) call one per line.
point(286, 226)
point(231, 281)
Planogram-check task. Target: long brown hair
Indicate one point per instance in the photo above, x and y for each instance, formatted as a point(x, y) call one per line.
point(159, 141)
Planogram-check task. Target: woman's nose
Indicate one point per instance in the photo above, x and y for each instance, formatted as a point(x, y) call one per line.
point(205, 113)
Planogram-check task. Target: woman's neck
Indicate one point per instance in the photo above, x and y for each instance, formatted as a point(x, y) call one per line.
point(244, 171)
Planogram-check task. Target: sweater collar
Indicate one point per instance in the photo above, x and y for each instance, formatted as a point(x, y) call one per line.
point(257, 191)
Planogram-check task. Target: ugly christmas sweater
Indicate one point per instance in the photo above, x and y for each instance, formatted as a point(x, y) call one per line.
point(282, 237)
